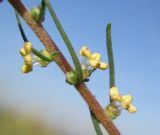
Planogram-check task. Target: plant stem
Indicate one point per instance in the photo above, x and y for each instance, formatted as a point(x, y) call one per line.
point(66, 40)
point(110, 56)
point(73, 55)
point(96, 124)
point(65, 67)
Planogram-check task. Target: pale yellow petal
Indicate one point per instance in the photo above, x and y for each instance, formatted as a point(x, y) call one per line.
point(96, 57)
point(126, 100)
point(28, 59)
point(28, 47)
point(103, 66)
point(132, 109)
point(94, 63)
point(114, 93)
point(23, 52)
point(85, 52)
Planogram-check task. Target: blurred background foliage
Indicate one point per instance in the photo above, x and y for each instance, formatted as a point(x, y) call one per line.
point(14, 121)
point(15, 124)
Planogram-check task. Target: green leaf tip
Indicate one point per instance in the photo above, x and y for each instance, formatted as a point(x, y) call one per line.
point(110, 55)
point(109, 26)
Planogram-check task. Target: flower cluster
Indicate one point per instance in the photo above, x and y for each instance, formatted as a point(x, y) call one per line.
point(33, 57)
point(93, 59)
point(125, 100)
point(26, 53)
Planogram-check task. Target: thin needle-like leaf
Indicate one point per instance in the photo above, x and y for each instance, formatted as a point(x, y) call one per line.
point(110, 56)
point(66, 40)
point(21, 28)
point(96, 124)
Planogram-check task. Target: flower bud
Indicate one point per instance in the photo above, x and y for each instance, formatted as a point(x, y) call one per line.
point(85, 52)
point(26, 68)
point(112, 111)
point(71, 77)
point(37, 14)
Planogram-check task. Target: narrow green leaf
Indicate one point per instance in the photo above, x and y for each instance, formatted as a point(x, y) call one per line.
point(42, 10)
point(96, 124)
point(21, 28)
point(110, 56)
point(66, 40)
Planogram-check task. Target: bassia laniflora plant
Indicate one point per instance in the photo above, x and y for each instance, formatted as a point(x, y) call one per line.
point(78, 75)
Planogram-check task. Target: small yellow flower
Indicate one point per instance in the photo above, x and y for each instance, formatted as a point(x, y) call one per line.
point(112, 111)
point(125, 100)
point(93, 59)
point(132, 109)
point(85, 52)
point(114, 94)
point(26, 54)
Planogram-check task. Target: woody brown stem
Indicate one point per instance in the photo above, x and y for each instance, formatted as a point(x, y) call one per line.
point(65, 67)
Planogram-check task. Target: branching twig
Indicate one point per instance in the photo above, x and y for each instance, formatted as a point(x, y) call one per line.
point(65, 67)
